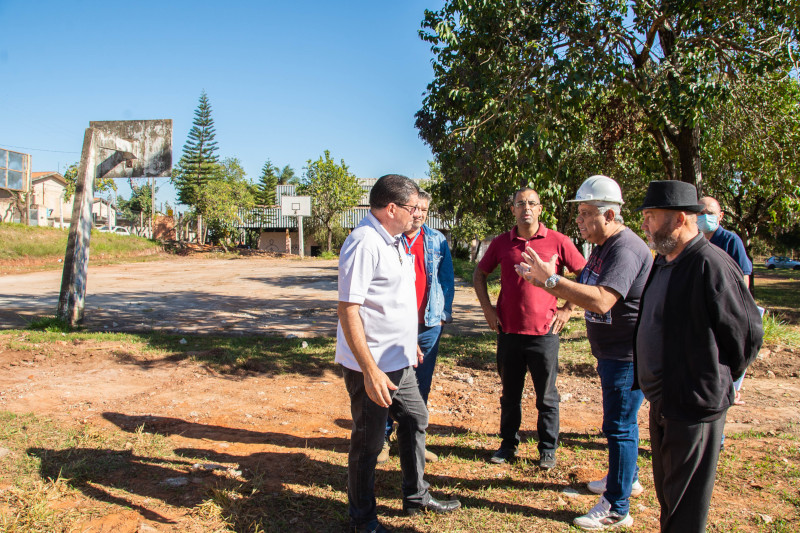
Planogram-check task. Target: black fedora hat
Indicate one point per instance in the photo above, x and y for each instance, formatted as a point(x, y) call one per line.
point(673, 195)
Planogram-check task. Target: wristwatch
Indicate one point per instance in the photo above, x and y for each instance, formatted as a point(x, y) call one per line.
point(552, 281)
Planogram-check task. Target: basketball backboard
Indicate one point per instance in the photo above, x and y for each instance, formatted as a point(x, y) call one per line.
point(293, 206)
point(133, 148)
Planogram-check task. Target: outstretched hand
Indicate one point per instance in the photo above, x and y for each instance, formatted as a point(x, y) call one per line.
point(537, 269)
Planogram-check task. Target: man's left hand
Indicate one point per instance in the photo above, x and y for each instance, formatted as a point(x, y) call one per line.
point(560, 318)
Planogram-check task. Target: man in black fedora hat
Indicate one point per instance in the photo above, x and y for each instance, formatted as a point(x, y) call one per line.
point(698, 329)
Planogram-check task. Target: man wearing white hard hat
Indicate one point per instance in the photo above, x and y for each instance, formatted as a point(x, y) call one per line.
point(609, 289)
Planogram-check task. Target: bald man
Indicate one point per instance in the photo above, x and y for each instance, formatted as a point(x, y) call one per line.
point(709, 221)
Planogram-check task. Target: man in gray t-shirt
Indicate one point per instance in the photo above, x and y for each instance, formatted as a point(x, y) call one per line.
point(609, 288)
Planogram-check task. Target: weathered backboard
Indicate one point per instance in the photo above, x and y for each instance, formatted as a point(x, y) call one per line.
point(14, 170)
point(134, 148)
point(293, 206)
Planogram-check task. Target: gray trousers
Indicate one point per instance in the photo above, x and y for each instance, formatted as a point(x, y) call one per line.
point(366, 442)
point(685, 458)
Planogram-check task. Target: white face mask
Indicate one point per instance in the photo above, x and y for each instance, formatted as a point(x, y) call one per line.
point(707, 223)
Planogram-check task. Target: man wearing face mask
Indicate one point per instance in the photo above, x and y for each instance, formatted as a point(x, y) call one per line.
point(708, 221)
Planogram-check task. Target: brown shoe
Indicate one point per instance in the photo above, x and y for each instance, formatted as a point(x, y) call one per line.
point(430, 457)
point(384, 455)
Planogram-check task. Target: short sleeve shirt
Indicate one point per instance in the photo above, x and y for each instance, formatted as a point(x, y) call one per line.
point(621, 264)
point(375, 273)
point(521, 307)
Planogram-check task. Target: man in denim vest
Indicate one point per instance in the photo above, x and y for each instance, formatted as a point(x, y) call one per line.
point(435, 287)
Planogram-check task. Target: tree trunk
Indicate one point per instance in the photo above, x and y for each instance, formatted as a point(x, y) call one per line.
point(688, 144)
point(330, 240)
point(665, 152)
point(477, 249)
point(199, 236)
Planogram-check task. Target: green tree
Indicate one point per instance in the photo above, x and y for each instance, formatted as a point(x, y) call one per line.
point(516, 82)
point(71, 175)
point(222, 200)
point(199, 163)
point(140, 205)
point(265, 189)
point(752, 157)
point(287, 176)
point(333, 190)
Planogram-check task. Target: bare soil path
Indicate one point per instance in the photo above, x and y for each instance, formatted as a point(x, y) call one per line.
point(275, 424)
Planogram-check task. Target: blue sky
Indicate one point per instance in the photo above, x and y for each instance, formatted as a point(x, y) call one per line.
point(286, 80)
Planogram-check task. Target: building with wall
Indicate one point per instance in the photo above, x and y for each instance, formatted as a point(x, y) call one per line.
point(276, 230)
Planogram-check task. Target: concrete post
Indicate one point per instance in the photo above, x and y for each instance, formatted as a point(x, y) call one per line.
point(76, 260)
point(302, 243)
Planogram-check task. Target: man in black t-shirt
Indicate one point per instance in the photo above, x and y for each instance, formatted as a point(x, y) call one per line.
point(609, 288)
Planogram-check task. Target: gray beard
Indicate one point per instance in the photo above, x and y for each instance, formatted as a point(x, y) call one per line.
point(663, 244)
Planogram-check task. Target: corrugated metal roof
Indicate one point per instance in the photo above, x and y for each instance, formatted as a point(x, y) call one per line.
point(270, 217)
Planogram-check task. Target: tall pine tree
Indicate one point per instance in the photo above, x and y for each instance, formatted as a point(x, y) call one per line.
point(199, 162)
point(265, 190)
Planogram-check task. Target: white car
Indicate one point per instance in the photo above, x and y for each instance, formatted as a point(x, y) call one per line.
point(119, 230)
point(777, 261)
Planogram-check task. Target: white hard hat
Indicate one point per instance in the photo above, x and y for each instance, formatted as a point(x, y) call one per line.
point(600, 189)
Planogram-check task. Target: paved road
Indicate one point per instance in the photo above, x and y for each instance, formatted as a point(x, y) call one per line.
point(205, 295)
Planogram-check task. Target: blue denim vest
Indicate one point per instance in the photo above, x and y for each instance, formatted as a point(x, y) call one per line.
point(441, 282)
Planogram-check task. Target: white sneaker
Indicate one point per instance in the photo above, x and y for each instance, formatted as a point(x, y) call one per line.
point(601, 517)
point(599, 486)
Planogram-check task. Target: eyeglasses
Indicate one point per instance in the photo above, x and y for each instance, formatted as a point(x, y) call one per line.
point(410, 208)
point(522, 203)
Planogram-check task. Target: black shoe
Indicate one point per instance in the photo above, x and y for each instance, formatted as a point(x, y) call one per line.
point(433, 506)
point(503, 455)
point(547, 460)
point(372, 527)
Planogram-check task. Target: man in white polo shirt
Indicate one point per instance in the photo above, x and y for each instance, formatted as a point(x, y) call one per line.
point(376, 344)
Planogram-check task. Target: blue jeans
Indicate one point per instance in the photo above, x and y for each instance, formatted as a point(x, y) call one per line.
point(621, 428)
point(428, 340)
point(366, 441)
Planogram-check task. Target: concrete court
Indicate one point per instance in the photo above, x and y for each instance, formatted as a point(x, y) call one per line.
point(199, 294)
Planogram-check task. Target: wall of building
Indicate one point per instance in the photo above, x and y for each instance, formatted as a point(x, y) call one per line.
point(49, 195)
point(275, 242)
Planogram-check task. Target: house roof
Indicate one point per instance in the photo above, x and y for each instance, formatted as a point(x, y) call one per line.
point(40, 176)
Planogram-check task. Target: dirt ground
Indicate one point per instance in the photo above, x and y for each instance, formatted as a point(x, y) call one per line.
point(281, 417)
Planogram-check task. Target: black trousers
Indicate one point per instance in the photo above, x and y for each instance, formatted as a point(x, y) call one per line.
point(516, 356)
point(685, 458)
point(367, 437)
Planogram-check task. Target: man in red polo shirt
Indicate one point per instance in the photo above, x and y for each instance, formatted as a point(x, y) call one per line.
point(527, 320)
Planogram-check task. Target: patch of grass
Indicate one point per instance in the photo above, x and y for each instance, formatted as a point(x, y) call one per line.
point(328, 255)
point(464, 270)
point(18, 241)
point(777, 331)
point(51, 324)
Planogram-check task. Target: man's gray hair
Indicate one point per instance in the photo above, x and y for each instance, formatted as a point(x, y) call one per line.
point(615, 207)
point(424, 195)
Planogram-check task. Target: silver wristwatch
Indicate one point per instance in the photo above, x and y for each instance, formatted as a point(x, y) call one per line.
point(552, 281)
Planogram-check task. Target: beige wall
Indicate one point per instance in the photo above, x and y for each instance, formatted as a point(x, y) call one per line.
point(275, 241)
point(47, 194)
